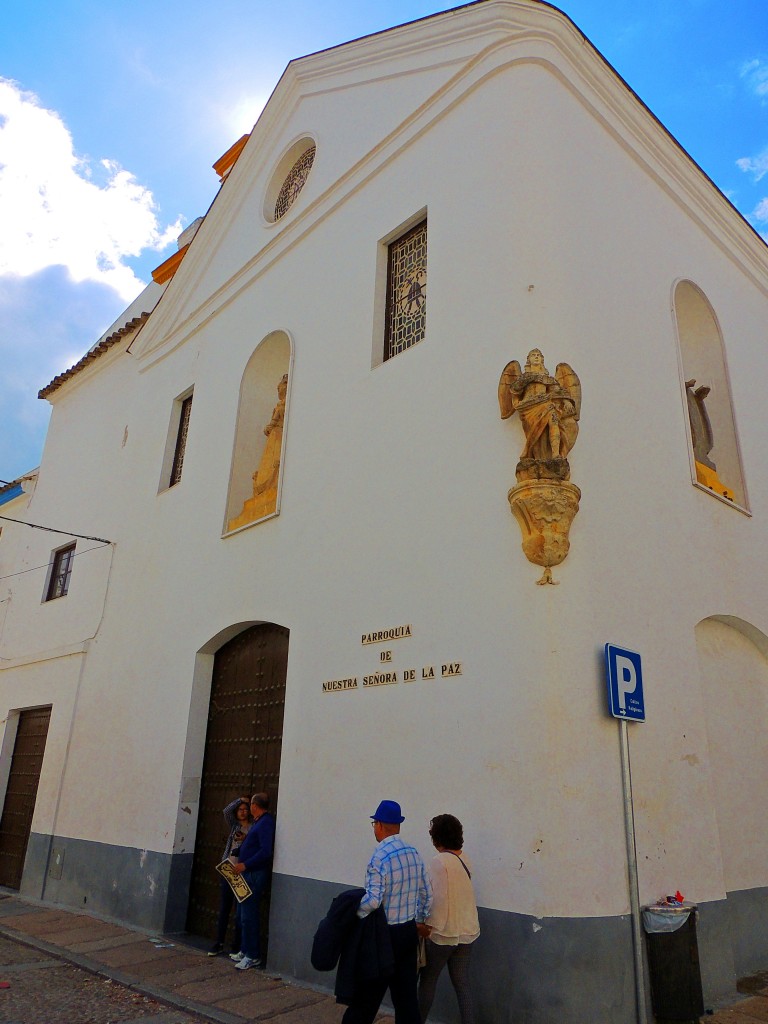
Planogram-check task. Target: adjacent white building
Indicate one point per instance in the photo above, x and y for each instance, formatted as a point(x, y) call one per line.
point(376, 631)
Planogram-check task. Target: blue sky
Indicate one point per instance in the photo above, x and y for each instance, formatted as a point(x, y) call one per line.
point(111, 115)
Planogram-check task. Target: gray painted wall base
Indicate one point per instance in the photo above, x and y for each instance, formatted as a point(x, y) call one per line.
point(718, 970)
point(535, 971)
point(574, 971)
point(748, 923)
point(140, 887)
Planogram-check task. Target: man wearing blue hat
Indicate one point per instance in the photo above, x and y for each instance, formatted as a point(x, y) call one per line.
point(396, 880)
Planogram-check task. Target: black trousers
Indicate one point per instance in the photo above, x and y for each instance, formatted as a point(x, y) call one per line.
point(402, 985)
point(226, 902)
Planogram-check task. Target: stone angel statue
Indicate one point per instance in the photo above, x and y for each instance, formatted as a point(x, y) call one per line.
point(548, 408)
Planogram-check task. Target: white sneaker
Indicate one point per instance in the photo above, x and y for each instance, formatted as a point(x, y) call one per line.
point(247, 962)
point(237, 957)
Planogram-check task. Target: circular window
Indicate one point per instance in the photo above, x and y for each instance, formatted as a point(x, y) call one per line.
point(289, 179)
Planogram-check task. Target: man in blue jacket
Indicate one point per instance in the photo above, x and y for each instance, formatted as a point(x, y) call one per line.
point(255, 865)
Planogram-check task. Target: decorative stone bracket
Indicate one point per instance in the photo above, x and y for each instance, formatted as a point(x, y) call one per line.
point(545, 510)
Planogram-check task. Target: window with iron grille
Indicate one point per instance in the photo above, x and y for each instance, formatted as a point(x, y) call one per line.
point(61, 571)
point(294, 182)
point(406, 308)
point(181, 441)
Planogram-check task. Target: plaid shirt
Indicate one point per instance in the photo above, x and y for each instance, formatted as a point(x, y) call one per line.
point(397, 879)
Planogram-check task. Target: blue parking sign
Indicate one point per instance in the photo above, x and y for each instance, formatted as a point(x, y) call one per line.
point(625, 683)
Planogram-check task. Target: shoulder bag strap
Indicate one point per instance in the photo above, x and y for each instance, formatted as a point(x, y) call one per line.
point(458, 858)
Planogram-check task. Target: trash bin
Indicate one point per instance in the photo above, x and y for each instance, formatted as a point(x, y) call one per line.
point(673, 963)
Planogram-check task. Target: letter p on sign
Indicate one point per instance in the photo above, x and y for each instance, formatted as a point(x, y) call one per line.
point(627, 679)
point(625, 683)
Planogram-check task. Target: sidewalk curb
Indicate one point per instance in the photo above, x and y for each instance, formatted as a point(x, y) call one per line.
point(94, 967)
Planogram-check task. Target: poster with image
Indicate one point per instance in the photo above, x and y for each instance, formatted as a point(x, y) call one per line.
point(237, 883)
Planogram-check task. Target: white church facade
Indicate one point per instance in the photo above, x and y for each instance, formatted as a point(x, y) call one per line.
point(313, 477)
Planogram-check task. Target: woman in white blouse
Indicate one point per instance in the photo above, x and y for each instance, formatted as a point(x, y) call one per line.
point(453, 920)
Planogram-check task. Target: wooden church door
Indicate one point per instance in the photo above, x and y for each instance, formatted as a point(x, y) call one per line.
point(242, 751)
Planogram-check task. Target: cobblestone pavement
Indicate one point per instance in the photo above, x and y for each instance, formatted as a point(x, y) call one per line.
point(44, 990)
point(63, 965)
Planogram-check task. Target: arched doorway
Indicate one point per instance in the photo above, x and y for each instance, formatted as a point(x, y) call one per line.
point(734, 673)
point(242, 751)
point(733, 656)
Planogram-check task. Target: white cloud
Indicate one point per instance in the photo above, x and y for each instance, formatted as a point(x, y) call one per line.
point(757, 166)
point(54, 211)
point(755, 73)
point(760, 212)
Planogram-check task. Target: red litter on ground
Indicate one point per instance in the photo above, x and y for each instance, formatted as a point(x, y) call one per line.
point(5, 984)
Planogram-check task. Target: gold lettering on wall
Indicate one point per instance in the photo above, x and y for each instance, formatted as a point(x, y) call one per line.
point(448, 670)
point(387, 676)
point(380, 679)
point(396, 633)
point(333, 685)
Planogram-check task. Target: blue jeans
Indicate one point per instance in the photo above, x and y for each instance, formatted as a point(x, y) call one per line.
point(250, 913)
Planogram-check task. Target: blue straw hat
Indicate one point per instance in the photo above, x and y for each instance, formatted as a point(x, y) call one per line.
point(388, 812)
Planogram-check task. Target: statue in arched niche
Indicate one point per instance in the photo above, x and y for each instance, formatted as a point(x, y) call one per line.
point(266, 476)
point(703, 439)
point(701, 428)
point(263, 501)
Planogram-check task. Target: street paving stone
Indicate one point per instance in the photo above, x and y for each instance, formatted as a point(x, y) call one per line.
point(749, 1011)
point(36, 924)
point(95, 945)
point(95, 928)
point(59, 993)
point(234, 984)
point(732, 1016)
point(178, 979)
point(326, 1012)
point(265, 1004)
point(757, 1009)
point(130, 956)
point(68, 936)
point(166, 968)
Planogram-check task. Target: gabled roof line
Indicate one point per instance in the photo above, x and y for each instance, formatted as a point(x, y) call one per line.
point(103, 346)
point(293, 66)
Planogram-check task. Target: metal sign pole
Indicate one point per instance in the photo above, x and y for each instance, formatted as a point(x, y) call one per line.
point(634, 895)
